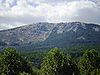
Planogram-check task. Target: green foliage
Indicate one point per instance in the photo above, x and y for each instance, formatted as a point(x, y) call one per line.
point(90, 63)
point(11, 63)
point(35, 57)
point(56, 63)
point(24, 73)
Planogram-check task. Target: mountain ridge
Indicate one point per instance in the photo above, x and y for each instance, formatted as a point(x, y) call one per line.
point(45, 22)
point(51, 35)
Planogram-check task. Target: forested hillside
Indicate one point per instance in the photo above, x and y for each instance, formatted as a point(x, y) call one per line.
point(54, 62)
point(51, 49)
point(43, 35)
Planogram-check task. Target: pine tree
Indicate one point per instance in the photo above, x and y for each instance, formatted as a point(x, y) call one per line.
point(56, 63)
point(11, 63)
point(90, 63)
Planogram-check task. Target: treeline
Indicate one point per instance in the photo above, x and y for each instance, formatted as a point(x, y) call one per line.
point(54, 63)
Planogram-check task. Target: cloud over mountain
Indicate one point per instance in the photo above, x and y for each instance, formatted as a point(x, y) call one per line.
point(21, 12)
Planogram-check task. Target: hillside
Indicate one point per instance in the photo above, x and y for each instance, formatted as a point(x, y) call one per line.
point(49, 35)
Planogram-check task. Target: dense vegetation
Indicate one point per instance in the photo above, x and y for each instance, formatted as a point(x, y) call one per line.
point(55, 62)
point(11, 63)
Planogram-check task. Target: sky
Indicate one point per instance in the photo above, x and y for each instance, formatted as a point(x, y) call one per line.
point(15, 13)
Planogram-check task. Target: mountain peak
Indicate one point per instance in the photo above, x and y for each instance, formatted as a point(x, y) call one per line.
point(46, 34)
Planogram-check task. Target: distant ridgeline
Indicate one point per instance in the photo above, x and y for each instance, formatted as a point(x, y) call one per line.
point(43, 35)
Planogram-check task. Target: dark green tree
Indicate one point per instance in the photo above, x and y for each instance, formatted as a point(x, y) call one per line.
point(89, 64)
point(56, 63)
point(11, 63)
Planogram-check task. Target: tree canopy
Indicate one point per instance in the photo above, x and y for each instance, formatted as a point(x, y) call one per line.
point(11, 63)
point(56, 63)
point(89, 64)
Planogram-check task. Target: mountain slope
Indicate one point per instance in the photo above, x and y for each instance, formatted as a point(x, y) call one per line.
point(48, 35)
point(74, 34)
point(26, 34)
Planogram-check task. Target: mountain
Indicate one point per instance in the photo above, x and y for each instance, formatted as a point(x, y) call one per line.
point(26, 34)
point(47, 35)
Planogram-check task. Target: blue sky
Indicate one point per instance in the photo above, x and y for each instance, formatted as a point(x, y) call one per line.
point(14, 13)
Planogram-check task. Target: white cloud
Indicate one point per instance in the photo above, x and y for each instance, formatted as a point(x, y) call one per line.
point(19, 12)
point(86, 11)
